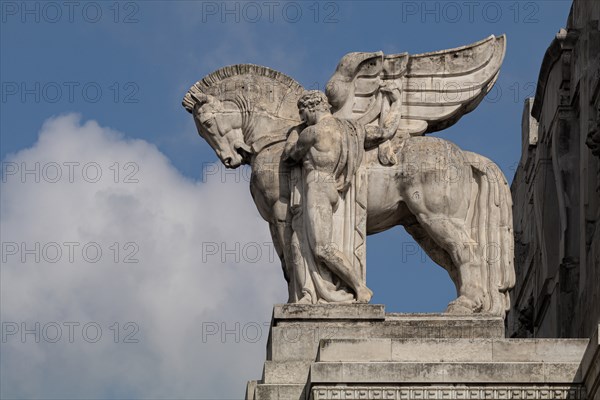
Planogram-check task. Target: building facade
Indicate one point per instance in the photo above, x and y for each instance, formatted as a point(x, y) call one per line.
point(556, 189)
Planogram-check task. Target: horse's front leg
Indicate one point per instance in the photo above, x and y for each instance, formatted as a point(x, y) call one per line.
point(282, 234)
point(273, 208)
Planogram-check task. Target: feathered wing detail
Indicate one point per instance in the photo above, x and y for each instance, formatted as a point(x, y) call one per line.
point(437, 88)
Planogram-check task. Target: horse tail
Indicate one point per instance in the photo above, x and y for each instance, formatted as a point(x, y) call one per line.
point(492, 227)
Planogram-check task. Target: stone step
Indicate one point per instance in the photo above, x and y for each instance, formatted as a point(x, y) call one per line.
point(294, 372)
point(294, 341)
point(458, 372)
point(453, 350)
point(280, 392)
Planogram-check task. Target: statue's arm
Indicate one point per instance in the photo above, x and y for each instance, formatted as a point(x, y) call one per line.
point(305, 141)
point(388, 123)
point(373, 136)
point(291, 142)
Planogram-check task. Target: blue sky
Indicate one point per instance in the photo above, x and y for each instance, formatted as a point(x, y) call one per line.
point(126, 66)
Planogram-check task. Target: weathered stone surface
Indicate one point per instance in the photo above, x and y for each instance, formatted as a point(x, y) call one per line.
point(279, 392)
point(452, 350)
point(542, 350)
point(459, 372)
point(286, 372)
point(299, 340)
point(450, 326)
point(353, 312)
point(250, 390)
point(332, 350)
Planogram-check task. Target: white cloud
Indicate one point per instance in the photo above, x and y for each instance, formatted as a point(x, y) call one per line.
point(170, 294)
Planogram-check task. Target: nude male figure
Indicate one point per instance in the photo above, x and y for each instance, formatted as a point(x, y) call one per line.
point(319, 149)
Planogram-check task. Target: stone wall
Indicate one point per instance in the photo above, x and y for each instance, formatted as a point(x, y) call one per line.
point(556, 189)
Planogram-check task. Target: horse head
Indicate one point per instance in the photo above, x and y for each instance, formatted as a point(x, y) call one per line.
point(242, 109)
point(220, 124)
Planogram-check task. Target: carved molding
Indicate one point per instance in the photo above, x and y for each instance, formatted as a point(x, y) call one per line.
point(563, 42)
point(593, 138)
point(451, 393)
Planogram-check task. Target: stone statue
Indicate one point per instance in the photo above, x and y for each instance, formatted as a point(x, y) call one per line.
point(328, 169)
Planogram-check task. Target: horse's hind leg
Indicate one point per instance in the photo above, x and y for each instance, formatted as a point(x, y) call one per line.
point(432, 249)
point(451, 235)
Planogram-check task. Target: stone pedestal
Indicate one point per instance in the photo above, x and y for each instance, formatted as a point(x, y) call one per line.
point(357, 351)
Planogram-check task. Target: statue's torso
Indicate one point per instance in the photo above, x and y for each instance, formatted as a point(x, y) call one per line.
point(326, 151)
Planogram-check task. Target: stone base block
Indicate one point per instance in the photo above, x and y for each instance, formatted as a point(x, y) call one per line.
point(286, 372)
point(296, 330)
point(459, 372)
point(280, 392)
point(452, 350)
point(357, 351)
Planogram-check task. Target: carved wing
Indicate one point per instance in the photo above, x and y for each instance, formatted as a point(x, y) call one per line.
point(437, 88)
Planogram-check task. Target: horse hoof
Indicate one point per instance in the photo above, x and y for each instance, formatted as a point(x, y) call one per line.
point(305, 300)
point(364, 295)
point(459, 307)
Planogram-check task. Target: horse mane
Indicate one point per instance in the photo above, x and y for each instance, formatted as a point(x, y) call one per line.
point(213, 79)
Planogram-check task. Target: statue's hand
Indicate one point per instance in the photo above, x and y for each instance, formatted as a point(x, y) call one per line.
point(391, 89)
point(287, 154)
point(386, 154)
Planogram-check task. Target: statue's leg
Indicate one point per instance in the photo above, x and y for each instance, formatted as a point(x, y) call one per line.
point(451, 235)
point(319, 212)
point(305, 289)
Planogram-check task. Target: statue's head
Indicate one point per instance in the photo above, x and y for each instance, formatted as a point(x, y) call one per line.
point(312, 105)
point(220, 124)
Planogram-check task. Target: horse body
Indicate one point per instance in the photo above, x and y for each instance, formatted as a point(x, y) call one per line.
point(428, 192)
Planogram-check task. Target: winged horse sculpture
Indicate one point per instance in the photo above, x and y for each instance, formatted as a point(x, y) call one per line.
point(455, 204)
